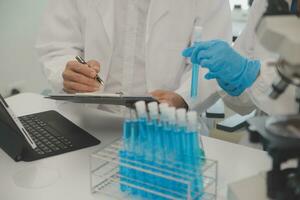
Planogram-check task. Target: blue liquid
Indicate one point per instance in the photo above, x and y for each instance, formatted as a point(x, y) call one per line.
point(166, 137)
point(194, 158)
point(125, 172)
point(194, 84)
point(142, 143)
point(127, 133)
point(150, 155)
point(134, 148)
point(130, 139)
point(160, 142)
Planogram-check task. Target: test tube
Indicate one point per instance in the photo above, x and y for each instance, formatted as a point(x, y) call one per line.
point(127, 126)
point(152, 128)
point(179, 143)
point(142, 115)
point(141, 143)
point(197, 36)
point(170, 128)
point(161, 130)
point(129, 134)
point(153, 111)
point(141, 109)
point(126, 142)
point(162, 109)
point(180, 133)
point(171, 112)
point(194, 152)
point(193, 135)
point(133, 151)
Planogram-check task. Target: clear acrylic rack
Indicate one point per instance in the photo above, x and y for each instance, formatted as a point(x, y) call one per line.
point(119, 175)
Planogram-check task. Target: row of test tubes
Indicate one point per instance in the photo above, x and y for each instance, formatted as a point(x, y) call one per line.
point(163, 140)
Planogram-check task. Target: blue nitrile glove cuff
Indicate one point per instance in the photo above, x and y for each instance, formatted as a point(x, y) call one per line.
point(245, 80)
point(250, 73)
point(230, 89)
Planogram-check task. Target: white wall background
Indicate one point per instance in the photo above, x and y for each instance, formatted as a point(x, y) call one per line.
point(19, 22)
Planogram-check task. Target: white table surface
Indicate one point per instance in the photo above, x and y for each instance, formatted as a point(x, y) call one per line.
point(71, 170)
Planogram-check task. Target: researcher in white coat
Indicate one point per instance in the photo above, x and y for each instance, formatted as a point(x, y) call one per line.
point(243, 72)
point(133, 45)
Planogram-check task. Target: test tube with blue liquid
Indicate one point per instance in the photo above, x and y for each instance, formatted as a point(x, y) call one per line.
point(142, 142)
point(129, 133)
point(165, 138)
point(180, 142)
point(192, 134)
point(153, 145)
point(153, 129)
point(142, 120)
point(197, 36)
point(162, 130)
point(171, 113)
point(194, 151)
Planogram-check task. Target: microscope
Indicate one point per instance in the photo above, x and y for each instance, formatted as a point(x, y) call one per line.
point(279, 31)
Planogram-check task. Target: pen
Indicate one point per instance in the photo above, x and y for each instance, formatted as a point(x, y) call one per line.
point(82, 61)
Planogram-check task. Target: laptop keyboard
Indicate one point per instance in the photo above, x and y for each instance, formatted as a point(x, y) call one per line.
point(47, 139)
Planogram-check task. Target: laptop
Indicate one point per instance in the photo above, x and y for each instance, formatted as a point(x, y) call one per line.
point(40, 135)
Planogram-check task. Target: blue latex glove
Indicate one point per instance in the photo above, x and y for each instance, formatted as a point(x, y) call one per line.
point(233, 72)
point(231, 89)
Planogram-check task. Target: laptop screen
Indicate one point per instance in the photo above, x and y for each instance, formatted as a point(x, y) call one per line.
point(5, 117)
point(8, 117)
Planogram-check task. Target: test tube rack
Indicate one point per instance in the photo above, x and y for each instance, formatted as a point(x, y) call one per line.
point(162, 181)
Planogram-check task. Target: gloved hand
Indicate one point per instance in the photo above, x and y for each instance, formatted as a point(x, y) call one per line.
point(232, 71)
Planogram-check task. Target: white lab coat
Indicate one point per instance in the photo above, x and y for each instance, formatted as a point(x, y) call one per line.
point(257, 96)
point(78, 27)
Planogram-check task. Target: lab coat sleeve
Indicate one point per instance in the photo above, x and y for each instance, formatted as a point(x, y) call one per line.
point(216, 23)
point(247, 45)
point(60, 39)
point(259, 94)
point(242, 104)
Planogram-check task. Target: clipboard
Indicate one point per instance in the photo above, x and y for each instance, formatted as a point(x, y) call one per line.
point(109, 99)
